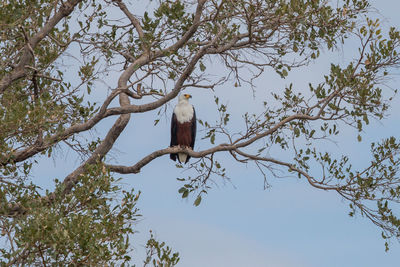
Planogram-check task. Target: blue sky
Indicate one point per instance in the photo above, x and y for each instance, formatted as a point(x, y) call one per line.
point(238, 223)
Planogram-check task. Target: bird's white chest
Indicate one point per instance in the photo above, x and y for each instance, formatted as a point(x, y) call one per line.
point(183, 112)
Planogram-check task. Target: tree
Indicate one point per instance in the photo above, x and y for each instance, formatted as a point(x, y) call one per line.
point(87, 218)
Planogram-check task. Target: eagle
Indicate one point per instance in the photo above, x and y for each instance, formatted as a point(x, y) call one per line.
point(183, 127)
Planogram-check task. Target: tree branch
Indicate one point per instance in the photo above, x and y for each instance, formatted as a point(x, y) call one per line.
point(26, 153)
point(222, 147)
point(20, 70)
point(133, 20)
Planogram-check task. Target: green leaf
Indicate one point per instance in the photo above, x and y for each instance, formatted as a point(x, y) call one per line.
point(197, 201)
point(212, 138)
point(296, 132)
point(182, 189)
point(202, 67)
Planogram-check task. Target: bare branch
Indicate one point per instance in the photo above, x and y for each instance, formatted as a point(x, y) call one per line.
point(133, 20)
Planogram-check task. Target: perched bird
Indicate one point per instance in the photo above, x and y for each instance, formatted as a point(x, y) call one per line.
point(183, 127)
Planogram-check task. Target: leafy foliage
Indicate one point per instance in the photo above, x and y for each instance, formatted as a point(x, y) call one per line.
point(85, 227)
point(158, 254)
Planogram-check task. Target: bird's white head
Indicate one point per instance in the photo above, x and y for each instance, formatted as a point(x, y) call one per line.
point(184, 98)
point(184, 110)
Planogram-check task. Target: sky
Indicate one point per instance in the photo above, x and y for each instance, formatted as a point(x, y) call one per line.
point(239, 223)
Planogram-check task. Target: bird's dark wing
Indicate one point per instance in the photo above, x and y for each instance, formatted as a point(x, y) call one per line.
point(174, 126)
point(173, 142)
point(194, 127)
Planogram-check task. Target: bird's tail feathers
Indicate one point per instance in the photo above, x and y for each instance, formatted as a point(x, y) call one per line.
point(182, 157)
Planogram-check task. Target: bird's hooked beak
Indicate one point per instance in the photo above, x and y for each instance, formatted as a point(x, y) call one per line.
point(187, 96)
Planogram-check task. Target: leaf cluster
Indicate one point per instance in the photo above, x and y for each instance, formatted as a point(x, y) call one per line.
point(86, 227)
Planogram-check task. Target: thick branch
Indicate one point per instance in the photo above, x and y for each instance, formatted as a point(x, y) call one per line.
point(97, 155)
point(222, 147)
point(156, 154)
point(26, 153)
point(175, 91)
